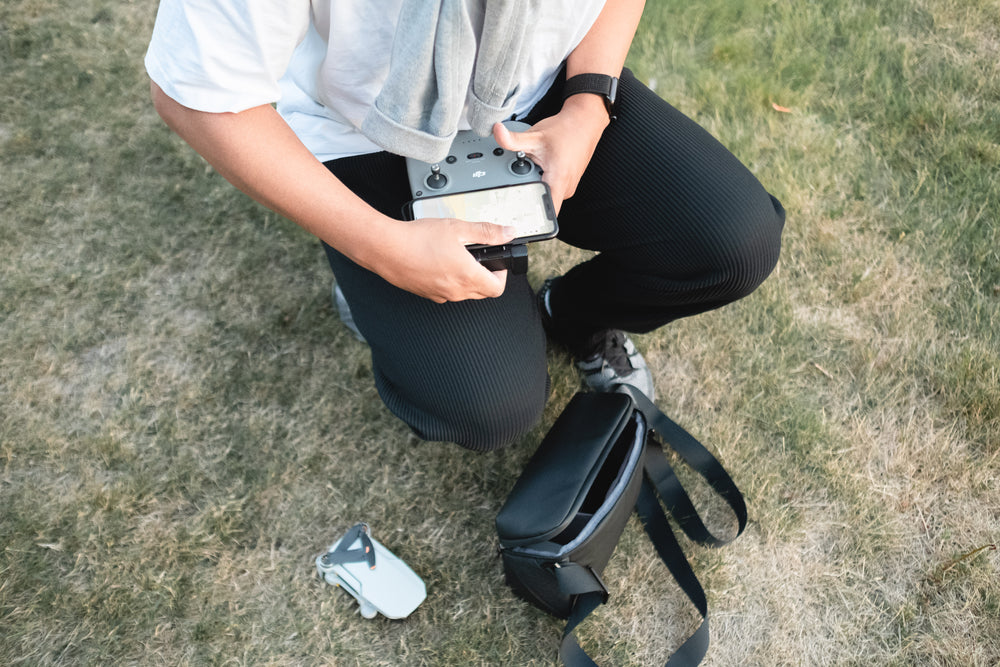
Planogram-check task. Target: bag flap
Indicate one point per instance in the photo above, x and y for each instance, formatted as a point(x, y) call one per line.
point(555, 481)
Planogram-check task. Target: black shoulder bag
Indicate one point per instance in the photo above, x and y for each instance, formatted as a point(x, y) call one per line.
point(601, 460)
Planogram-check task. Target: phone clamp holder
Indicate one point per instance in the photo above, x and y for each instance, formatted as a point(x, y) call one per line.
point(514, 258)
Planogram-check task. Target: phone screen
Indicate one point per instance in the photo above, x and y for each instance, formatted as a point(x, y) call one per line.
point(527, 207)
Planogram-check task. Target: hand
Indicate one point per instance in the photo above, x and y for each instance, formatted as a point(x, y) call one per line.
point(428, 257)
point(562, 145)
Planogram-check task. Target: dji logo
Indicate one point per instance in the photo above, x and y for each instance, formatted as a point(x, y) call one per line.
point(478, 174)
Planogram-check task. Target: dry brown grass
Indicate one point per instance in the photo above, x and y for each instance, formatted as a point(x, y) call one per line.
point(185, 425)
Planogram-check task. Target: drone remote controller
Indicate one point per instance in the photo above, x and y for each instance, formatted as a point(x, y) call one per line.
point(473, 163)
point(480, 181)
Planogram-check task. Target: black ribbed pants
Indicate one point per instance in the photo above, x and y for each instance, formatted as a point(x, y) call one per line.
point(681, 227)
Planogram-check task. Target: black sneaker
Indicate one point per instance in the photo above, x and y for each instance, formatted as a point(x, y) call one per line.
point(606, 359)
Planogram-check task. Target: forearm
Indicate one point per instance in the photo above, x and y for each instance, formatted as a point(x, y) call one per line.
point(602, 51)
point(605, 46)
point(257, 152)
point(564, 144)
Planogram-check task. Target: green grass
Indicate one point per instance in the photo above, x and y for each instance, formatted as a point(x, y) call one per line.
point(184, 424)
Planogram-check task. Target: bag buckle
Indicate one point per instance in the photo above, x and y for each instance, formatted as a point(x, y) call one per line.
point(576, 579)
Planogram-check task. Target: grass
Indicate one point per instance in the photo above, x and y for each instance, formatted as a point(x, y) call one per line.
point(185, 424)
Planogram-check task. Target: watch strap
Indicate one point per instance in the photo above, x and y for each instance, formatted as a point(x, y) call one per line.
point(599, 84)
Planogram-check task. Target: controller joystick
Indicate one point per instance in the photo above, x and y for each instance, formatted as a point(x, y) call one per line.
point(472, 163)
point(436, 180)
point(520, 166)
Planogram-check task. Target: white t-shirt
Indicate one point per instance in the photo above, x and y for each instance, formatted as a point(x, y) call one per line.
point(231, 55)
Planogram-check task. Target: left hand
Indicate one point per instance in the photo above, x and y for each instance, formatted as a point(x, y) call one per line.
point(562, 145)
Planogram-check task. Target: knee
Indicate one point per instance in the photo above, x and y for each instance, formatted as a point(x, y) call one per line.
point(755, 251)
point(739, 257)
point(485, 423)
point(480, 416)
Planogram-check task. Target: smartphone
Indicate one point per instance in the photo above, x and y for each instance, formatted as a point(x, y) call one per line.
point(527, 207)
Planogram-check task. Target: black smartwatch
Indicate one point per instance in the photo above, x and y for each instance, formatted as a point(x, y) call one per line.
point(598, 84)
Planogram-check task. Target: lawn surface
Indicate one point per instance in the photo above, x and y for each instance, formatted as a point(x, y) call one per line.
point(185, 424)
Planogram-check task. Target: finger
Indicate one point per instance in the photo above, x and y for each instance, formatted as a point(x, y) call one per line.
point(500, 280)
point(495, 285)
point(482, 284)
point(558, 197)
point(485, 233)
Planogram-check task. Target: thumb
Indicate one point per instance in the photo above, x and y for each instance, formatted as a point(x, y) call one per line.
point(486, 233)
point(513, 141)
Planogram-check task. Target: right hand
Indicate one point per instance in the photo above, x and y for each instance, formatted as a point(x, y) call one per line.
point(428, 257)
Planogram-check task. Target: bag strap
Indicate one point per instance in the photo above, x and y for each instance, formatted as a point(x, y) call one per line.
point(661, 474)
point(661, 482)
point(658, 529)
point(662, 536)
point(569, 649)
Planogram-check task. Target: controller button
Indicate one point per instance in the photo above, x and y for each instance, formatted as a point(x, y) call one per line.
point(498, 152)
point(451, 159)
point(474, 156)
